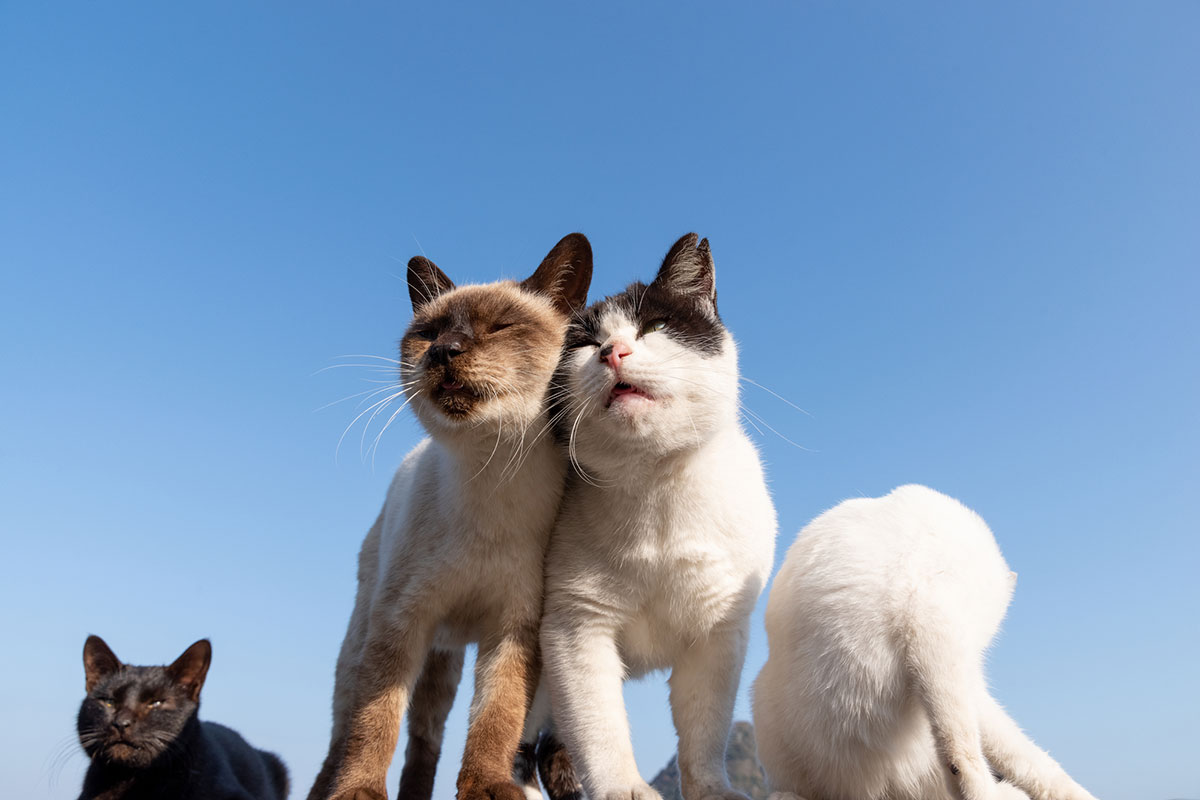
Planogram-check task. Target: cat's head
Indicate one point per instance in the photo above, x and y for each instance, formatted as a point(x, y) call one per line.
point(652, 370)
point(486, 353)
point(132, 715)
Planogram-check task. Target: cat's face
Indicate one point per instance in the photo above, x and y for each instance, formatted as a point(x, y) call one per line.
point(652, 370)
point(132, 715)
point(485, 354)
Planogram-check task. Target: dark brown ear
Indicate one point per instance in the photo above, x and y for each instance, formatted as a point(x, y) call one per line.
point(98, 661)
point(425, 281)
point(688, 270)
point(190, 668)
point(565, 273)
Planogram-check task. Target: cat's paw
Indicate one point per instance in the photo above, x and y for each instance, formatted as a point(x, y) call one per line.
point(638, 791)
point(499, 790)
point(360, 793)
point(1006, 791)
point(725, 794)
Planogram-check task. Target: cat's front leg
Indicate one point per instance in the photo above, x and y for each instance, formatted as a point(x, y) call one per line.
point(584, 672)
point(506, 676)
point(704, 684)
point(393, 653)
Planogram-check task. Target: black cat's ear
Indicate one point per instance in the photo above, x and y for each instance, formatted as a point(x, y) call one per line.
point(425, 281)
point(565, 273)
point(189, 669)
point(688, 270)
point(98, 661)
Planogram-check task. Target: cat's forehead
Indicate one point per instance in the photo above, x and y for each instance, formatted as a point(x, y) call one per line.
point(142, 678)
point(490, 301)
point(687, 322)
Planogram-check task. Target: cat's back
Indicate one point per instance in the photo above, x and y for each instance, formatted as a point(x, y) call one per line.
point(239, 770)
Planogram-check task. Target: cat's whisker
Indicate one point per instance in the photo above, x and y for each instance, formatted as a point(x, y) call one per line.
point(360, 416)
point(379, 437)
point(773, 392)
point(767, 425)
point(369, 392)
point(499, 430)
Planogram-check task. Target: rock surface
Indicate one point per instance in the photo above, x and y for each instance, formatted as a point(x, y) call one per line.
point(741, 762)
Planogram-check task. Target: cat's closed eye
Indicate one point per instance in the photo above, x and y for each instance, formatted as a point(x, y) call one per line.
point(652, 326)
point(499, 326)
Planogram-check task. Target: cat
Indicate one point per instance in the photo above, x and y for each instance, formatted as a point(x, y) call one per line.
point(139, 727)
point(666, 535)
point(874, 688)
point(456, 553)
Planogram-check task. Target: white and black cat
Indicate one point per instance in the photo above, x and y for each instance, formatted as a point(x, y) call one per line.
point(139, 727)
point(666, 534)
point(874, 688)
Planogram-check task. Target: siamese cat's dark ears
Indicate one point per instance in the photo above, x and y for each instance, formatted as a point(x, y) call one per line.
point(688, 270)
point(425, 281)
point(565, 273)
point(98, 661)
point(190, 669)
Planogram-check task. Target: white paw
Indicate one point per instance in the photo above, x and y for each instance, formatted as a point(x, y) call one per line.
point(1006, 791)
point(724, 794)
point(638, 791)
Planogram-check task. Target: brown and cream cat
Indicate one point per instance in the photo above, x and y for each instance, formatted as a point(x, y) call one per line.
point(456, 553)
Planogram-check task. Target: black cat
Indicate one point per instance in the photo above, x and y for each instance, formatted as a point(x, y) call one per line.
point(139, 727)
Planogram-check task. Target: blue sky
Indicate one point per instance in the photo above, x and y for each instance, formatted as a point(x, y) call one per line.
point(964, 239)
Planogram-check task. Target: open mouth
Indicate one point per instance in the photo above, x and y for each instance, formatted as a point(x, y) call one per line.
point(454, 397)
point(626, 391)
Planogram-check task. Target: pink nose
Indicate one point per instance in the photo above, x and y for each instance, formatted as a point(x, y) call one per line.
point(613, 352)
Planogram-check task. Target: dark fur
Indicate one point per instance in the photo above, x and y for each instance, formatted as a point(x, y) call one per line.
point(139, 726)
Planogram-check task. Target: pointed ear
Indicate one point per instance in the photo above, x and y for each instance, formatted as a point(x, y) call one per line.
point(190, 668)
point(565, 273)
point(98, 661)
point(688, 270)
point(425, 281)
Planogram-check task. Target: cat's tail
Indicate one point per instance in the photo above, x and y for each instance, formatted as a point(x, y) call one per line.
point(1021, 761)
point(278, 773)
point(948, 679)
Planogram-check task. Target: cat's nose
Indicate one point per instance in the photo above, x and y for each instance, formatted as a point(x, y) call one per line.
point(613, 352)
point(447, 346)
point(123, 721)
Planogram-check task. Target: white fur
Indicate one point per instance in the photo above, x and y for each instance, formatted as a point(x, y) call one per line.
point(878, 622)
point(663, 545)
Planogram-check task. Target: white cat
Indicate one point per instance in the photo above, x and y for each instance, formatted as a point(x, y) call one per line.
point(666, 536)
point(874, 689)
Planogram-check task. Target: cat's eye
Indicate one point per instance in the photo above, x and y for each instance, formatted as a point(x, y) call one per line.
point(499, 326)
point(104, 701)
point(428, 334)
point(156, 704)
point(653, 325)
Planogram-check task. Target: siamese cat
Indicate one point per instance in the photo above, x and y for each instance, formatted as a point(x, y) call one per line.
point(874, 688)
point(456, 553)
point(666, 535)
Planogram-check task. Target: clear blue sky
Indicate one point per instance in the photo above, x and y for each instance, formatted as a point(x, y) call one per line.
point(966, 240)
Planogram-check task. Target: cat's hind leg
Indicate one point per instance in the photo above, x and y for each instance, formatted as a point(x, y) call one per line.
point(1021, 761)
point(432, 699)
point(349, 657)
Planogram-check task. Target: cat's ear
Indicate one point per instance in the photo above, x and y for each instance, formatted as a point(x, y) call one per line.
point(189, 669)
point(565, 273)
point(688, 270)
point(98, 661)
point(425, 281)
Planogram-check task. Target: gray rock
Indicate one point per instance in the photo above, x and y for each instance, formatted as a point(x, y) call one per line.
point(741, 762)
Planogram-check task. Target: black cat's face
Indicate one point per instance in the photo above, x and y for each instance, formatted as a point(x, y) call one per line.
point(132, 715)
